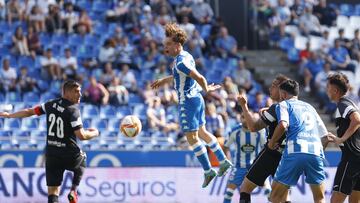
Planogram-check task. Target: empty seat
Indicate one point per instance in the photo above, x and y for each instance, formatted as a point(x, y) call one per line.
point(47, 96)
point(30, 124)
point(12, 124)
point(346, 9)
point(108, 111)
point(31, 98)
point(114, 124)
point(342, 21)
point(5, 139)
point(300, 42)
point(90, 111)
point(13, 97)
point(100, 124)
point(355, 22)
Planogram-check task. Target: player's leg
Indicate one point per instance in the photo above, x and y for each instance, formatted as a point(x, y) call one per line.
point(53, 194)
point(354, 197)
point(318, 192)
point(278, 192)
point(315, 177)
point(54, 175)
point(235, 179)
point(78, 171)
point(342, 183)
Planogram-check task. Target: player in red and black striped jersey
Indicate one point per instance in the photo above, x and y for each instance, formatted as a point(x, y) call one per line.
point(64, 126)
point(347, 178)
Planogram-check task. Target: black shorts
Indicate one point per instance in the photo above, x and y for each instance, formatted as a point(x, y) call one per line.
point(56, 165)
point(347, 177)
point(263, 166)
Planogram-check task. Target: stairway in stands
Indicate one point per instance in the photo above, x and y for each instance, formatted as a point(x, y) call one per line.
point(268, 63)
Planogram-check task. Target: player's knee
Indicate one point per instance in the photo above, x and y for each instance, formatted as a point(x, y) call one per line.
point(275, 197)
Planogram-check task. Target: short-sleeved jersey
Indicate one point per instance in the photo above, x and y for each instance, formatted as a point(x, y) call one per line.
point(351, 147)
point(185, 86)
point(270, 119)
point(247, 145)
point(305, 127)
point(62, 120)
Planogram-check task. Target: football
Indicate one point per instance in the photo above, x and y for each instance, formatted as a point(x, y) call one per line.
point(130, 126)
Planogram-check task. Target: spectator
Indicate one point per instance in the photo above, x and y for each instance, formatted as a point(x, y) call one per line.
point(68, 65)
point(242, 76)
point(119, 12)
point(343, 40)
point(14, 11)
point(8, 76)
point(202, 12)
point(187, 26)
point(50, 69)
point(165, 16)
point(125, 51)
point(128, 78)
point(96, 93)
point(325, 43)
point(309, 24)
point(108, 74)
point(214, 121)
point(326, 14)
point(146, 16)
point(312, 67)
point(53, 20)
point(2, 10)
point(161, 71)
point(196, 52)
point(84, 24)
point(168, 96)
point(339, 58)
point(230, 88)
point(107, 51)
point(20, 43)
point(297, 9)
point(157, 30)
point(33, 43)
point(25, 82)
point(277, 26)
point(226, 44)
point(355, 43)
point(37, 19)
point(118, 93)
point(283, 12)
point(260, 101)
point(69, 17)
point(148, 93)
point(320, 87)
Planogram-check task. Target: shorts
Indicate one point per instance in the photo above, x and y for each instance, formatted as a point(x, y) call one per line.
point(237, 176)
point(192, 114)
point(347, 177)
point(56, 165)
point(292, 166)
point(263, 166)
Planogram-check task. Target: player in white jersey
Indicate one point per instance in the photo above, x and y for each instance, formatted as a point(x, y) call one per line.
point(189, 83)
point(247, 146)
point(303, 152)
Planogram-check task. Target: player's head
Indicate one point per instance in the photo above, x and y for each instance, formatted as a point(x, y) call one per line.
point(337, 86)
point(175, 39)
point(274, 88)
point(288, 89)
point(71, 90)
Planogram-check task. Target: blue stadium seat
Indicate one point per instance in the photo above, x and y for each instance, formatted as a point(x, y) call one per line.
point(42, 123)
point(293, 55)
point(22, 140)
point(108, 112)
point(286, 43)
point(30, 124)
point(100, 124)
point(135, 99)
point(55, 87)
point(31, 98)
point(2, 98)
point(357, 10)
point(123, 111)
point(86, 5)
point(13, 97)
point(12, 123)
point(5, 139)
point(90, 111)
point(75, 39)
point(4, 51)
point(114, 124)
point(39, 138)
point(140, 111)
point(87, 123)
point(47, 96)
point(346, 9)
point(26, 61)
point(45, 39)
point(100, 6)
point(91, 39)
point(59, 39)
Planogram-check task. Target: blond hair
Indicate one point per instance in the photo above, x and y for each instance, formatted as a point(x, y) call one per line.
point(173, 31)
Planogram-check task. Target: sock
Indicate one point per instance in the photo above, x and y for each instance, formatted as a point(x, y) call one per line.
point(53, 199)
point(219, 153)
point(245, 197)
point(202, 156)
point(228, 195)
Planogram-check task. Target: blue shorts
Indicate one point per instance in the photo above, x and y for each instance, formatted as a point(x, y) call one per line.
point(237, 176)
point(293, 165)
point(192, 114)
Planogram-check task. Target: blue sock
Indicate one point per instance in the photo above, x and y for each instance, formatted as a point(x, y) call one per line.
point(219, 153)
point(202, 156)
point(228, 195)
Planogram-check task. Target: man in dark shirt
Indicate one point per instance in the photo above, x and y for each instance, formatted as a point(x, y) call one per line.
point(347, 178)
point(63, 126)
point(267, 161)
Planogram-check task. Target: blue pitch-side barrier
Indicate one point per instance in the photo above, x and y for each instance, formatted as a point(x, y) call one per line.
point(20, 158)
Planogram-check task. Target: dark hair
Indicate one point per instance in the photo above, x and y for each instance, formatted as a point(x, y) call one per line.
point(290, 86)
point(340, 81)
point(69, 85)
point(174, 32)
point(280, 78)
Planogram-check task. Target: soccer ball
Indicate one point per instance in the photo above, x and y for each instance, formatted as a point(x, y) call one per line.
point(130, 126)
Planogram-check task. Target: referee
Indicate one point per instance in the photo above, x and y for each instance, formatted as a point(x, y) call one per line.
point(63, 126)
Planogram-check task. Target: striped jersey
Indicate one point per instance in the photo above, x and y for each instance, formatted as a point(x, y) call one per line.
point(185, 86)
point(247, 145)
point(305, 127)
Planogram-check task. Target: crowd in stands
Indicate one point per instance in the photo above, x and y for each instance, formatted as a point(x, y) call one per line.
point(114, 48)
point(318, 37)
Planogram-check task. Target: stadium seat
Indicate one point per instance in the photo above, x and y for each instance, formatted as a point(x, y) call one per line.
point(42, 123)
point(293, 55)
point(55, 87)
point(140, 111)
point(2, 98)
point(38, 137)
point(90, 111)
point(355, 22)
point(346, 9)
point(123, 111)
point(286, 43)
point(108, 112)
point(13, 97)
point(300, 42)
point(26, 61)
point(100, 6)
point(114, 124)
point(22, 140)
point(75, 39)
point(12, 123)
point(30, 124)
point(31, 98)
point(5, 139)
point(59, 39)
point(349, 32)
point(100, 124)
point(45, 38)
point(315, 43)
point(135, 99)
point(47, 96)
point(357, 10)
point(292, 30)
point(342, 21)
point(87, 123)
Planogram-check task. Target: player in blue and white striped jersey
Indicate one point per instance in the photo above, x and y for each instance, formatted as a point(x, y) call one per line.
point(303, 153)
point(247, 146)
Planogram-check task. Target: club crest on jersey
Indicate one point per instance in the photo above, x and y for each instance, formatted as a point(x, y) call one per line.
point(248, 148)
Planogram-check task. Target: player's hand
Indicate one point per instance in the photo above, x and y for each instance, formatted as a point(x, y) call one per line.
point(273, 145)
point(4, 114)
point(158, 83)
point(94, 130)
point(335, 139)
point(212, 87)
point(242, 100)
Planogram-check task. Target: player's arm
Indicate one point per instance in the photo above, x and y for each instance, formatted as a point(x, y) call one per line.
point(194, 74)
point(283, 122)
point(160, 82)
point(88, 134)
point(353, 126)
point(19, 114)
point(253, 123)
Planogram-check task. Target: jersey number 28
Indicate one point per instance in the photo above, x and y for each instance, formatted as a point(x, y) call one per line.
point(59, 126)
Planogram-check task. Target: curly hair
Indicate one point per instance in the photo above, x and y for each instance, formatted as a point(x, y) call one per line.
point(173, 31)
point(340, 81)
